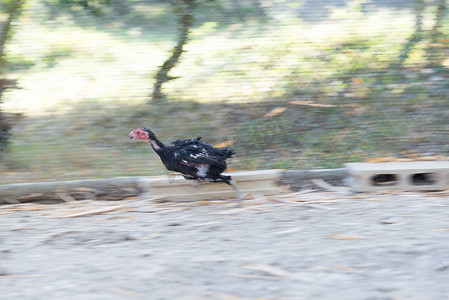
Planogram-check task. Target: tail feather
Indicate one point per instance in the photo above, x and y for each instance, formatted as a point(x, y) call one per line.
point(230, 153)
point(224, 153)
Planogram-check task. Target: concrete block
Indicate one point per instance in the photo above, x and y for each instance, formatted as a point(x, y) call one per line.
point(407, 176)
point(176, 188)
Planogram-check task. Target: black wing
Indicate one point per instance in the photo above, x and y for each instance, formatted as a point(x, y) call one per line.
point(198, 153)
point(185, 142)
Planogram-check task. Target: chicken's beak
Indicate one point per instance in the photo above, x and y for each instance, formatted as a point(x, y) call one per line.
point(130, 136)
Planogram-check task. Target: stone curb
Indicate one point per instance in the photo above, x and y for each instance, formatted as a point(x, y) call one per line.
point(124, 187)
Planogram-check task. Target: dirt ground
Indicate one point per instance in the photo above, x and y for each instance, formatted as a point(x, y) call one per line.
point(311, 245)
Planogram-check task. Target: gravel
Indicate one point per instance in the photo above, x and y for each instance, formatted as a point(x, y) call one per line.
point(311, 245)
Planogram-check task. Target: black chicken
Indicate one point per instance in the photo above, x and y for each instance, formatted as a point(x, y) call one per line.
point(193, 158)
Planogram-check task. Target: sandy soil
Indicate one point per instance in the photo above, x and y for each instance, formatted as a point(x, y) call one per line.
point(314, 245)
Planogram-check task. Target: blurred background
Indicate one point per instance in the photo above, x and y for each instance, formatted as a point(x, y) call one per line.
point(292, 84)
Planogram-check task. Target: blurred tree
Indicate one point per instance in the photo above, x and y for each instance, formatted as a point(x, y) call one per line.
point(184, 11)
point(417, 33)
point(420, 34)
point(436, 54)
point(439, 14)
point(9, 11)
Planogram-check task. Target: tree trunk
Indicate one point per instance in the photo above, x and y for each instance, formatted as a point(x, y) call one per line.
point(417, 34)
point(184, 10)
point(439, 14)
point(12, 9)
point(420, 34)
point(434, 55)
point(13, 12)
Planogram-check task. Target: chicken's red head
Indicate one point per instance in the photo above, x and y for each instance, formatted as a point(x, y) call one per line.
point(140, 133)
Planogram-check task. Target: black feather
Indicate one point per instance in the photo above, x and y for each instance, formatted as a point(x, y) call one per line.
point(185, 142)
point(195, 159)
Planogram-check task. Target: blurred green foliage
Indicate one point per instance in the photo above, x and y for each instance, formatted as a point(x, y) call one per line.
point(94, 7)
